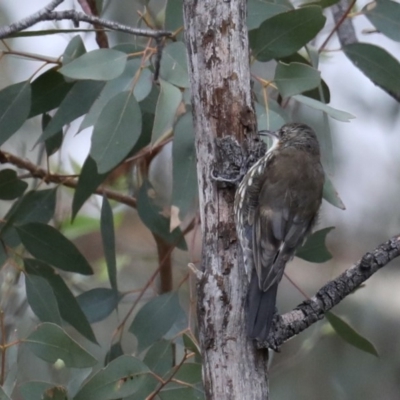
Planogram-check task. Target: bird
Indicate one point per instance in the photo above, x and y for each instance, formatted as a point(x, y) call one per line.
point(276, 206)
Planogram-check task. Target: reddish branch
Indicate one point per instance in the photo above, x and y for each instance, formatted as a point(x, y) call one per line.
point(40, 173)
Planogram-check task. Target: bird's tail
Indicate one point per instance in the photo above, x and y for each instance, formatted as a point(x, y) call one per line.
point(260, 309)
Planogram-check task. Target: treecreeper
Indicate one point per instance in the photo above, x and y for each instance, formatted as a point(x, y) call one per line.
point(276, 207)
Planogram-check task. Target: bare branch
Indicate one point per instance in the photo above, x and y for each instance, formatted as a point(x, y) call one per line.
point(47, 14)
point(42, 174)
point(314, 309)
point(6, 31)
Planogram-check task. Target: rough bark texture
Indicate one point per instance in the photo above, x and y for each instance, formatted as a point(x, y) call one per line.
point(217, 43)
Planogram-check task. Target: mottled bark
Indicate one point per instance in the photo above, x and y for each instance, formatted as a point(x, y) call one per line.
point(217, 43)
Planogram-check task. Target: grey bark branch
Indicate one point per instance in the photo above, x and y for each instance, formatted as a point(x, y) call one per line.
point(314, 309)
point(47, 14)
point(218, 54)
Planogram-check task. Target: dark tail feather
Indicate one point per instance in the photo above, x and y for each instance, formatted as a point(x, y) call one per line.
point(260, 309)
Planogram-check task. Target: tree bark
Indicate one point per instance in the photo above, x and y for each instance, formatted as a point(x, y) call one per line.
point(217, 44)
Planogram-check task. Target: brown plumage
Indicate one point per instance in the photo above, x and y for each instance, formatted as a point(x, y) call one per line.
point(276, 206)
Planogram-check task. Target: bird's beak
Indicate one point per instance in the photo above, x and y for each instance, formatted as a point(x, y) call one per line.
point(270, 134)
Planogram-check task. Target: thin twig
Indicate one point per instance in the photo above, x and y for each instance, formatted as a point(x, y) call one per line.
point(339, 22)
point(168, 380)
point(42, 174)
point(47, 14)
point(33, 19)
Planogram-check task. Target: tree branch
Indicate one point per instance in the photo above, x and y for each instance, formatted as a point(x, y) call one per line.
point(47, 14)
point(42, 174)
point(314, 309)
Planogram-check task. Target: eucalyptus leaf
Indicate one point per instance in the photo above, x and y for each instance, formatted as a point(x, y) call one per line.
point(108, 238)
point(295, 78)
point(48, 92)
point(116, 131)
point(97, 304)
point(351, 336)
point(160, 357)
point(377, 64)
point(74, 49)
point(385, 16)
point(259, 11)
point(285, 33)
point(173, 68)
point(184, 189)
point(314, 249)
point(317, 105)
point(15, 103)
point(10, 186)
point(69, 308)
point(41, 299)
point(76, 103)
point(120, 378)
point(155, 319)
point(50, 343)
point(168, 101)
point(89, 180)
point(100, 64)
point(41, 240)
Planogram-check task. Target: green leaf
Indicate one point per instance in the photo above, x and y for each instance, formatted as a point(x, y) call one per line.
point(285, 33)
point(151, 216)
point(111, 89)
point(324, 3)
point(190, 373)
point(41, 299)
point(173, 68)
point(116, 131)
point(49, 245)
point(74, 49)
point(108, 238)
point(268, 119)
point(184, 189)
point(48, 91)
point(295, 78)
point(317, 105)
point(100, 64)
point(122, 377)
point(15, 103)
point(259, 11)
point(174, 15)
point(50, 343)
point(97, 304)
point(10, 186)
point(114, 352)
point(160, 357)
point(89, 180)
point(33, 390)
point(34, 206)
point(385, 16)
point(168, 101)
point(190, 344)
point(76, 103)
point(53, 143)
point(68, 306)
point(331, 195)
point(347, 333)
point(314, 249)
point(377, 64)
point(155, 319)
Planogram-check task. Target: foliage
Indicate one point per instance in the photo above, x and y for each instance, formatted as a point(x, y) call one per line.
point(132, 118)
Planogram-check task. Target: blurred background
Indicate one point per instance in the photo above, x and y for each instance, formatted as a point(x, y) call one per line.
point(317, 364)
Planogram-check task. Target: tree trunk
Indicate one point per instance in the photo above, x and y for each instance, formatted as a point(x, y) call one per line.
point(217, 43)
